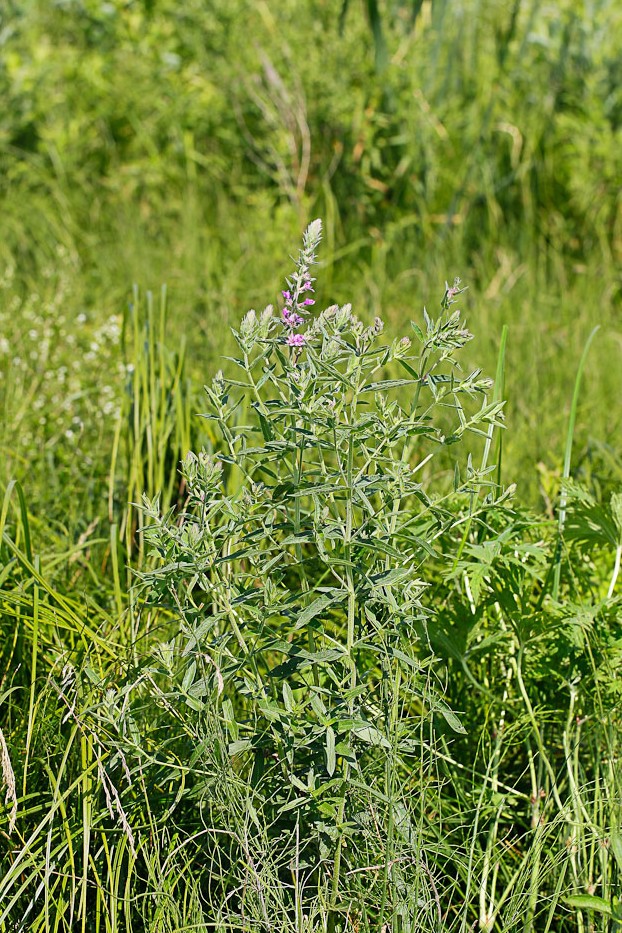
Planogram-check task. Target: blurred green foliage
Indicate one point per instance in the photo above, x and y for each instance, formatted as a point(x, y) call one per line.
point(499, 119)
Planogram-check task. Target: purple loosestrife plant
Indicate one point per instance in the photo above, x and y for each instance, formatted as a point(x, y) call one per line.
point(297, 571)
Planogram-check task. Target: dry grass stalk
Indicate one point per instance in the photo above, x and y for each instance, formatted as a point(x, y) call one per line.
point(8, 779)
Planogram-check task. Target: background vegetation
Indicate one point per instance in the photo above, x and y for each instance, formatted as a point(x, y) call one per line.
point(188, 146)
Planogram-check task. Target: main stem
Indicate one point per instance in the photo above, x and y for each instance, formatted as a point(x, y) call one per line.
point(350, 635)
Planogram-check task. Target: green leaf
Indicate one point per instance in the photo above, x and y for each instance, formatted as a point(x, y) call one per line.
point(229, 717)
point(266, 427)
point(239, 746)
point(331, 760)
point(297, 783)
point(270, 710)
point(309, 489)
point(189, 676)
point(369, 734)
point(615, 842)
point(317, 706)
point(294, 804)
point(451, 719)
point(283, 490)
point(400, 656)
point(346, 751)
point(252, 812)
point(288, 697)
point(590, 902)
point(387, 384)
point(616, 512)
point(390, 577)
point(380, 48)
point(317, 606)
point(200, 688)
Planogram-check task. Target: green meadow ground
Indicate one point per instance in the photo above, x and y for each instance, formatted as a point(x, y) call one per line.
point(158, 165)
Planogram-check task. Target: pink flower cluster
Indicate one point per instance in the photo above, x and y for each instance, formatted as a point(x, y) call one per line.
point(296, 340)
point(294, 304)
point(291, 318)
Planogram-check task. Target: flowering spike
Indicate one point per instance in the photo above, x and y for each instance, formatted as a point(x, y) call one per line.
point(312, 235)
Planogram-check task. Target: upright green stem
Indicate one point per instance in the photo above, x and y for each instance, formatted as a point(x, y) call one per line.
point(297, 471)
point(616, 571)
point(350, 636)
point(536, 825)
point(389, 788)
point(33, 672)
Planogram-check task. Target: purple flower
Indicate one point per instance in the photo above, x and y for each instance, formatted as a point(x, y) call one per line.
point(307, 287)
point(308, 301)
point(286, 296)
point(291, 318)
point(296, 340)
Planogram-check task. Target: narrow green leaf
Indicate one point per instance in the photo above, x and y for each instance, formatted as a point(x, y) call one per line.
point(189, 676)
point(451, 719)
point(331, 760)
point(317, 606)
point(369, 734)
point(385, 384)
point(288, 697)
point(589, 902)
point(239, 746)
point(615, 842)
